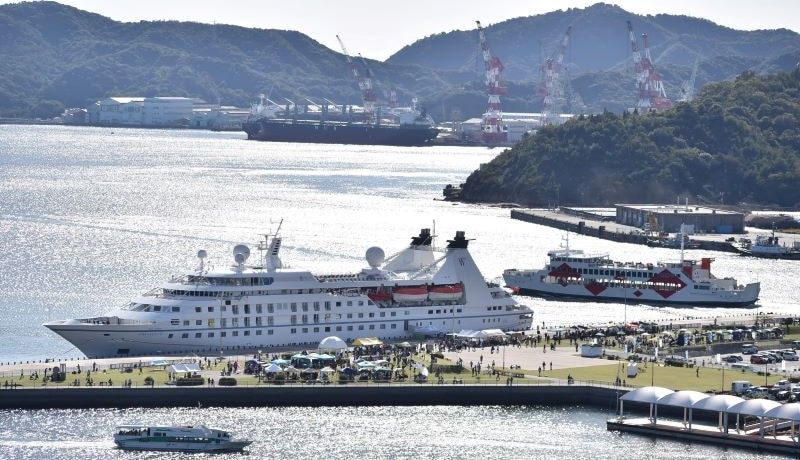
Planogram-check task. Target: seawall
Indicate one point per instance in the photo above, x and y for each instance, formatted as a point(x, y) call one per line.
point(601, 231)
point(310, 396)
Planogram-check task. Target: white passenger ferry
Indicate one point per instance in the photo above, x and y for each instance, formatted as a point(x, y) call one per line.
point(574, 274)
point(176, 438)
point(265, 305)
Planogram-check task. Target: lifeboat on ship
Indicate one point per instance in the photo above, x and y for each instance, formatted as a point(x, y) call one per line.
point(447, 292)
point(410, 294)
point(380, 295)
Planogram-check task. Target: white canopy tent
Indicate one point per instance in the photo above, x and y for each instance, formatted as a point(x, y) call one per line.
point(187, 367)
point(649, 395)
point(685, 399)
point(332, 343)
point(273, 368)
point(720, 404)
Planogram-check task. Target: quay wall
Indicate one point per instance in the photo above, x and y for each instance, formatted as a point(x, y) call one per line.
point(598, 232)
point(602, 233)
point(310, 396)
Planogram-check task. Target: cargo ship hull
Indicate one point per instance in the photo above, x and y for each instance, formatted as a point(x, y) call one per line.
point(339, 133)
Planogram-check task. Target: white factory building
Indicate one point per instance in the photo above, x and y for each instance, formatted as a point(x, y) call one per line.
point(148, 111)
point(518, 123)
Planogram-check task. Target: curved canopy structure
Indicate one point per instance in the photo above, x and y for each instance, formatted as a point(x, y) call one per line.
point(719, 403)
point(790, 411)
point(646, 394)
point(755, 407)
point(685, 399)
point(332, 343)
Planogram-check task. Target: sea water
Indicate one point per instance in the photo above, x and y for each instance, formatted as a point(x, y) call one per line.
point(91, 217)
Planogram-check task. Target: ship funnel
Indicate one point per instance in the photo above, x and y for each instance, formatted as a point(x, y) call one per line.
point(459, 242)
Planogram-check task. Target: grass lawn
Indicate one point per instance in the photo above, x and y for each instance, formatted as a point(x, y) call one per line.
point(675, 378)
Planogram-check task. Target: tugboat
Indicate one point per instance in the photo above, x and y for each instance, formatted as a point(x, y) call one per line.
point(769, 247)
point(574, 274)
point(176, 439)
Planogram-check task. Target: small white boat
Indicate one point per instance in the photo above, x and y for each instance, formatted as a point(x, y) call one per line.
point(176, 438)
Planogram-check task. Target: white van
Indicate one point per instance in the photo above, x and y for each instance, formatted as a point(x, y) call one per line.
point(740, 386)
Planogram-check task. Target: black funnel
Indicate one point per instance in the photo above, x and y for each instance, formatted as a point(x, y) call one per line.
point(459, 242)
point(424, 238)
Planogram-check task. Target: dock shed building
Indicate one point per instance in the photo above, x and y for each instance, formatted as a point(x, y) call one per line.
point(670, 217)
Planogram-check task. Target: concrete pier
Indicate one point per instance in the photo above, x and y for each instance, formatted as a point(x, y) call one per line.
point(704, 434)
point(609, 230)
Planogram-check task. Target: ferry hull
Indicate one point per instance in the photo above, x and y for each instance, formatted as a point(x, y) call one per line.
point(633, 300)
point(233, 446)
point(685, 297)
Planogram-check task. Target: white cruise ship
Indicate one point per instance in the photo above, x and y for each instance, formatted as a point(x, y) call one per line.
point(574, 274)
point(266, 305)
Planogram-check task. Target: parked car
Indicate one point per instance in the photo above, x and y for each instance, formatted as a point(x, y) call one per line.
point(758, 392)
point(749, 349)
point(782, 395)
point(733, 359)
point(790, 356)
point(758, 359)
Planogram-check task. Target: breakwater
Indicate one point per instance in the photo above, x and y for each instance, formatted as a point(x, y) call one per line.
point(606, 230)
point(311, 396)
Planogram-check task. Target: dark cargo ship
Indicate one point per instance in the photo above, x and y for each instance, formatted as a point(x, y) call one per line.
point(336, 132)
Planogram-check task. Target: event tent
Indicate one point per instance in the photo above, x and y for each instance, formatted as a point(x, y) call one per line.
point(332, 343)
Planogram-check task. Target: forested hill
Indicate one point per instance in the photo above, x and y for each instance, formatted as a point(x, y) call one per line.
point(69, 57)
point(599, 42)
point(739, 141)
point(52, 56)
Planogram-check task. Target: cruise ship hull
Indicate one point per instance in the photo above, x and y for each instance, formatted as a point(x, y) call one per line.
point(103, 341)
point(265, 129)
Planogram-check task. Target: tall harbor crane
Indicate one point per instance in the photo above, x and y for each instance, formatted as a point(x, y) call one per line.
point(552, 89)
point(493, 130)
point(687, 89)
point(391, 93)
point(649, 86)
point(364, 83)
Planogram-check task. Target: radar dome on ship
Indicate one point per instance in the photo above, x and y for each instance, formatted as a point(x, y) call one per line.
point(375, 256)
point(240, 253)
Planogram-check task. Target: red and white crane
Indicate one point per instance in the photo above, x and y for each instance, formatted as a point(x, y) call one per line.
point(494, 131)
point(649, 86)
point(364, 84)
point(391, 93)
point(552, 90)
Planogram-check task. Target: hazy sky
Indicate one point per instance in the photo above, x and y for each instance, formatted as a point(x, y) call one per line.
point(379, 28)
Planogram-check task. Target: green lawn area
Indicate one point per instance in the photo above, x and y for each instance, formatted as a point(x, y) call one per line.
point(676, 378)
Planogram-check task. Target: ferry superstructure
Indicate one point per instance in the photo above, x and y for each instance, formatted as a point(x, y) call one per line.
point(574, 274)
point(267, 305)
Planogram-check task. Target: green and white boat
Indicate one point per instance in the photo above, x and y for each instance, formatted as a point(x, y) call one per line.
point(176, 438)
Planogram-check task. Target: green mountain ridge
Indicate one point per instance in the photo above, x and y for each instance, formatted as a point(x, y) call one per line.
point(738, 141)
point(50, 51)
point(54, 56)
